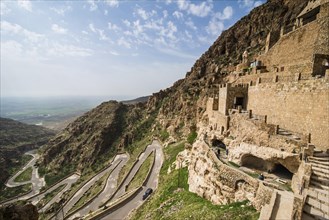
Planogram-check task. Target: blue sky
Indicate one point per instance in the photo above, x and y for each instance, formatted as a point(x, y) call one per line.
point(107, 48)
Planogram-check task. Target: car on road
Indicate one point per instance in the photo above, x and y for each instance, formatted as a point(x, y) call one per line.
point(147, 193)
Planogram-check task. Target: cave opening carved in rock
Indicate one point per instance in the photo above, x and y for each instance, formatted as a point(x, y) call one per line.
point(218, 143)
point(259, 164)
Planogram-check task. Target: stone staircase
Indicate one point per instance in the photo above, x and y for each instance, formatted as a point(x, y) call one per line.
point(317, 199)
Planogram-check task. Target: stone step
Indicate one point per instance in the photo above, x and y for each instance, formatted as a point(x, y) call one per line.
point(320, 179)
point(319, 185)
point(319, 173)
point(308, 216)
point(319, 197)
point(314, 211)
point(317, 191)
point(322, 162)
point(320, 169)
point(320, 154)
point(325, 167)
point(319, 158)
point(323, 207)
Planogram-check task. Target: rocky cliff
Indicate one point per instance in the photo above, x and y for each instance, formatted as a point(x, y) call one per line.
point(178, 108)
point(19, 212)
point(184, 102)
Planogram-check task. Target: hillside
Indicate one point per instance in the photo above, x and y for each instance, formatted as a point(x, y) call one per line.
point(15, 139)
point(93, 138)
point(178, 108)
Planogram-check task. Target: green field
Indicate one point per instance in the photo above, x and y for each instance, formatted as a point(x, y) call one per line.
point(26, 175)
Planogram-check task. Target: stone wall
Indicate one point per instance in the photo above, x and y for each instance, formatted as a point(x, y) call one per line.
point(216, 119)
point(294, 49)
point(297, 106)
point(221, 184)
point(227, 95)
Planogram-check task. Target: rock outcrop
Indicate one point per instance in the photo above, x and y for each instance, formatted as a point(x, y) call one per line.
point(19, 212)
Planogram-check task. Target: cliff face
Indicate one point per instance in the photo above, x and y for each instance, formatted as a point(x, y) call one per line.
point(178, 108)
point(184, 102)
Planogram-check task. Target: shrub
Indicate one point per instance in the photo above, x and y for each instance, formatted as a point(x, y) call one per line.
point(191, 137)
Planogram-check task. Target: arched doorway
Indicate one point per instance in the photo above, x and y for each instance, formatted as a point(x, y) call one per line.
point(276, 168)
point(282, 172)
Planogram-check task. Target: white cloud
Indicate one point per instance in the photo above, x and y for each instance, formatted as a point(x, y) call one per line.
point(106, 12)
point(183, 4)
point(69, 50)
point(226, 14)
point(201, 10)
point(112, 3)
point(61, 11)
point(25, 4)
point(102, 35)
point(92, 5)
point(113, 27)
point(191, 24)
point(216, 25)
point(205, 40)
point(258, 3)
point(165, 13)
point(177, 14)
point(123, 42)
point(114, 53)
point(168, 2)
point(92, 28)
point(138, 28)
point(58, 29)
point(100, 32)
point(126, 22)
point(10, 28)
point(176, 53)
point(171, 30)
point(249, 4)
point(188, 35)
point(11, 49)
point(142, 13)
point(4, 9)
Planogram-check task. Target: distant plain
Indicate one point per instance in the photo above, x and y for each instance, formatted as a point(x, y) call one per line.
point(53, 113)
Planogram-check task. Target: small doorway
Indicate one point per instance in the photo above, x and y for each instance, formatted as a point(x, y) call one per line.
point(238, 101)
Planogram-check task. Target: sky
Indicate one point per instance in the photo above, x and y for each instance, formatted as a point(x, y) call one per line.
point(107, 48)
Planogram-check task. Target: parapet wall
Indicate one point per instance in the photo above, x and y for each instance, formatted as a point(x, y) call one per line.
point(301, 106)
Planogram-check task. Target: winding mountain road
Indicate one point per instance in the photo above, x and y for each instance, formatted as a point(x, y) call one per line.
point(68, 183)
point(69, 205)
point(109, 189)
point(37, 182)
point(134, 202)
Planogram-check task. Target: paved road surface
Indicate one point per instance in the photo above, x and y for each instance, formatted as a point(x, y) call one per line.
point(37, 182)
point(108, 190)
point(85, 188)
point(124, 211)
point(68, 183)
